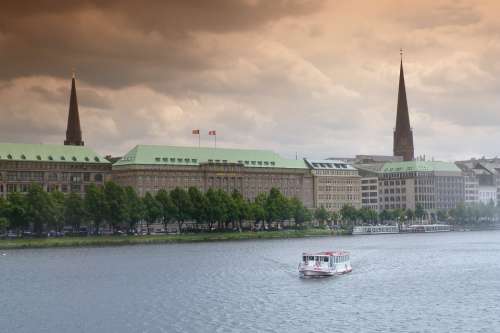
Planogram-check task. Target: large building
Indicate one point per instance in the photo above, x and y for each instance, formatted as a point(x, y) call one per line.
point(432, 185)
point(149, 168)
point(403, 135)
point(336, 184)
point(67, 168)
point(54, 167)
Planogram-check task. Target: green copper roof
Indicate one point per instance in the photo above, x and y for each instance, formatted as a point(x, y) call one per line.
point(420, 166)
point(48, 153)
point(168, 155)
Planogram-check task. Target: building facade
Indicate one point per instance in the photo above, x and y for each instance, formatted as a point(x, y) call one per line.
point(54, 167)
point(432, 185)
point(150, 168)
point(369, 193)
point(336, 184)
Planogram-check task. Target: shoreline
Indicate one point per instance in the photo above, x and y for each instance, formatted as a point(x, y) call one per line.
point(104, 241)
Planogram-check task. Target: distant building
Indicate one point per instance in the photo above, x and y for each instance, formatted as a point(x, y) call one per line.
point(403, 135)
point(54, 167)
point(150, 168)
point(433, 185)
point(336, 184)
point(365, 159)
point(483, 180)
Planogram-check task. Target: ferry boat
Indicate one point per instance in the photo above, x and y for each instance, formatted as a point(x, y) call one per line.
point(428, 228)
point(323, 264)
point(375, 229)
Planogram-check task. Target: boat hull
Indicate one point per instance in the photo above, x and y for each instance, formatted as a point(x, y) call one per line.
point(322, 273)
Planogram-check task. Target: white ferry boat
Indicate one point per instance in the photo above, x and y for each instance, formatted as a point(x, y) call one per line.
point(325, 264)
point(375, 229)
point(429, 228)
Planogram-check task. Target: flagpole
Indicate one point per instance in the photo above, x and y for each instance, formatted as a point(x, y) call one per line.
point(199, 139)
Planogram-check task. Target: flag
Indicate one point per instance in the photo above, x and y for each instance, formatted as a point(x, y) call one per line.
point(212, 133)
point(196, 131)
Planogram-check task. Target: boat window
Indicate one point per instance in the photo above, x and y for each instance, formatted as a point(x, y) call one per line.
point(316, 258)
point(311, 258)
point(325, 259)
point(304, 258)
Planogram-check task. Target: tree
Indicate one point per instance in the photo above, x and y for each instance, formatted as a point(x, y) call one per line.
point(385, 215)
point(95, 206)
point(199, 205)
point(116, 211)
point(16, 211)
point(215, 209)
point(135, 208)
point(152, 210)
point(242, 208)
point(349, 213)
point(58, 199)
point(419, 211)
point(442, 215)
point(74, 211)
point(276, 206)
point(321, 214)
point(40, 209)
point(167, 208)
point(4, 225)
point(299, 213)
point(182, 206)
point(258, 210)
point(410, 214)
point(4, 222)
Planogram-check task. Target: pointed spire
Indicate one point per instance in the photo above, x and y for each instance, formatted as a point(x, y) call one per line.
point(403, 136)
point(73, 131)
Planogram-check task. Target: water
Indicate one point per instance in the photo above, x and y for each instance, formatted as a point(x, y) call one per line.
point(446, 282)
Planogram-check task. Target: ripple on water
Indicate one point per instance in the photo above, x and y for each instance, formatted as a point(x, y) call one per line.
point(400, 283)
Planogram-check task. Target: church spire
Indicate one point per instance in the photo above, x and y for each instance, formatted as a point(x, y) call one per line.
point(403, 136)
point(73, 131)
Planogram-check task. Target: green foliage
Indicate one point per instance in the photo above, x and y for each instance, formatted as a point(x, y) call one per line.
point(39, 208)
point(152, 210)
point(115, 204)
point(182, 206)
point(74, 212)
point(321, 214)
point(4, 224)
point(95, 206)
point(16, 211)
point(58, 199)
point(419, 211)
point(167, 207)
point(135, 208)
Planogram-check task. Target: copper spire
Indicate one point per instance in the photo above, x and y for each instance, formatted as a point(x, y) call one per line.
point(403, 135)
point(73, 131)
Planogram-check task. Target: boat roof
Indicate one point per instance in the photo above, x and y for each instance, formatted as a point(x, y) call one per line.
point(327, 253)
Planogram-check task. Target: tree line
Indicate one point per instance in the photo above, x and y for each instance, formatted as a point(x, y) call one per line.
point(122, 209)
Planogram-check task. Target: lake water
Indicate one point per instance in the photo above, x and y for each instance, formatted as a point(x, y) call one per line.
point(446, 282)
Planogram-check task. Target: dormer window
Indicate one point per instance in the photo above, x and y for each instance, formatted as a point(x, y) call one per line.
point(51, 158)
point(172, 159)
point(86, 159)
point(96, 159)
point(165, 159)
point(23, 157)
point(9, 156)
point(38, 157)
point(157, 159)
point(63, 158)
point(74, 158)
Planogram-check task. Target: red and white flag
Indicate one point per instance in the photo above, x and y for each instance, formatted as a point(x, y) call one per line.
point(196, 131)
point(212, 133)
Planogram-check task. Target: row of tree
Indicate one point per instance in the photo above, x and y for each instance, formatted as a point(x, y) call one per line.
point(120, 208)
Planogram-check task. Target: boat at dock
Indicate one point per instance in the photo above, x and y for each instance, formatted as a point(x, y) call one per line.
point(375, 229)
point(427, 228)
point(324, 264)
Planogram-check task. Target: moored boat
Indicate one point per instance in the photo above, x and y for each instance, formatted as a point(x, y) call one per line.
point(323, 264)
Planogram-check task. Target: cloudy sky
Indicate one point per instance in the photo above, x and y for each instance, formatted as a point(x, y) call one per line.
point(316, 78)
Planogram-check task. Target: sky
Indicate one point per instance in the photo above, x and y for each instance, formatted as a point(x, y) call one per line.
point(306, 78)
